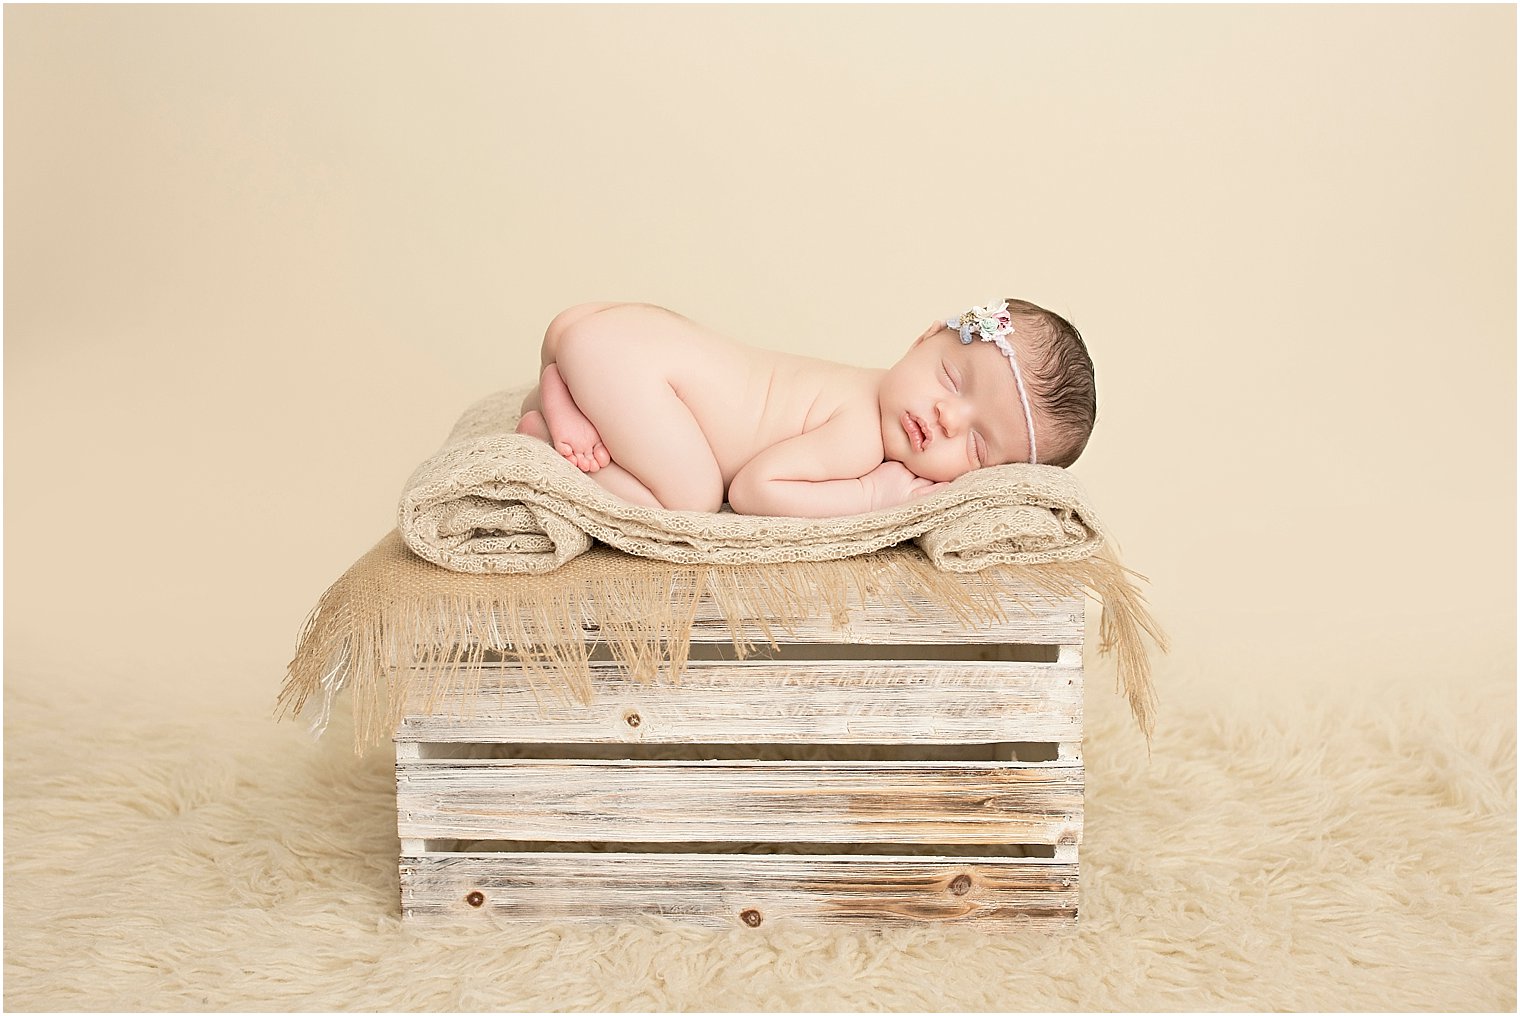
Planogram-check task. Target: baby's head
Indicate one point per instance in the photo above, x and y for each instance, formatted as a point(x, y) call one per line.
point(954, 402)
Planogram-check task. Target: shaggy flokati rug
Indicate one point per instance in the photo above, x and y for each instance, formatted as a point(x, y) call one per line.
point(1328, 850)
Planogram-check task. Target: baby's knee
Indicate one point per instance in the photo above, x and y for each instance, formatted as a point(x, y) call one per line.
point(692, 500)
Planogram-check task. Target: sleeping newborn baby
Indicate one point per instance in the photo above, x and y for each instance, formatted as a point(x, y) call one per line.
point(664, 412)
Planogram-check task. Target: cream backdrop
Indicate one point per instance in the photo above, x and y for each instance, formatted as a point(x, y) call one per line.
point(257, 259)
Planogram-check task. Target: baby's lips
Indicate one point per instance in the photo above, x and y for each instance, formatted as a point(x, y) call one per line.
point(918, 434)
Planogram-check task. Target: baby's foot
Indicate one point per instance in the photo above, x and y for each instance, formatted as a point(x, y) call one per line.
point(572, 435)
point(533, 425)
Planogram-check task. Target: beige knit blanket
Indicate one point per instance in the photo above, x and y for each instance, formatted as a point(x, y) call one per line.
point(493, 557)
point(492, 500)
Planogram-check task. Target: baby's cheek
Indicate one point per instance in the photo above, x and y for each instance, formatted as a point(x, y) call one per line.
point(940, 468)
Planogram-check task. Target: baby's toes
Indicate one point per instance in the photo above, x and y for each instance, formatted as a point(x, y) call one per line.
point(601, 454)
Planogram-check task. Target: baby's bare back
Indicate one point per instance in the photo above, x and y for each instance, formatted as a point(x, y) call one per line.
point(743, 399)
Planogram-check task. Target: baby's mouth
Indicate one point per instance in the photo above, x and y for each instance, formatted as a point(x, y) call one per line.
point(918, 435)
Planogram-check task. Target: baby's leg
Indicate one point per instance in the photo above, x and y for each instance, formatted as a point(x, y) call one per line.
point(621, 483)
point(569, 428)
point(561, 423)
point(613, 478)
point(649, 431)
point(572, 435)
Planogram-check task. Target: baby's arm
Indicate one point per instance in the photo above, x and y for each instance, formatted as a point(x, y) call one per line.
point(824, 473)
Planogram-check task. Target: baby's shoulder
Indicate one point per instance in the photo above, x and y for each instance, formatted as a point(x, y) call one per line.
point(848, 401)
point(850, 391)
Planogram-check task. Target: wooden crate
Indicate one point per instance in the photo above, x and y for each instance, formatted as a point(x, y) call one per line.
point(893, 770)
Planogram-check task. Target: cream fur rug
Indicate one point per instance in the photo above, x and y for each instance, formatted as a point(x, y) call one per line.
point(1324, 849)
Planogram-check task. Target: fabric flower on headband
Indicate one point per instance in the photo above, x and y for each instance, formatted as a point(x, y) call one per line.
point(992, 322)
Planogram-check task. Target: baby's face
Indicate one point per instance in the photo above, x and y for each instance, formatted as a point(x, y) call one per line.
point(949, 408)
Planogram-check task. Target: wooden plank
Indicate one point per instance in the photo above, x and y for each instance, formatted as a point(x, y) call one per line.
point(739, 701)
point(409, 752)
point(741, 890)
point(783, 801)
point(1028, 618)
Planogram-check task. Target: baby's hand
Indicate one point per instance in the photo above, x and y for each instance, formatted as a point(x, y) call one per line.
point(893, 483)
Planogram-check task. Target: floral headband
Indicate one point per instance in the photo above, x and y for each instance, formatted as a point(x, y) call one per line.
point(990, 324)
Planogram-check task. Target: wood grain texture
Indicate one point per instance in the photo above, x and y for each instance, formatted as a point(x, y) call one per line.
point(678, 800)
point(1027, 618)
point(741, 890)
point(888, 685)
point(740, 701)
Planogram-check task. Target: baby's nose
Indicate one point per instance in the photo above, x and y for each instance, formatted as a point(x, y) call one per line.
point(952, 416)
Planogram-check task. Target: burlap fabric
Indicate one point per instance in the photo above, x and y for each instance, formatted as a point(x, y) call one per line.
point(494, 558)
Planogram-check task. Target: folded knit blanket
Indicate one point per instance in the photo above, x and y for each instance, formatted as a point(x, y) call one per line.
point(494, 557)
point(492, 500)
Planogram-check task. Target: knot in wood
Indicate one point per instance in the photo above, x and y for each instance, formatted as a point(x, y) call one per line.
point(961, 884)
point(751, 918)
point(476, 898)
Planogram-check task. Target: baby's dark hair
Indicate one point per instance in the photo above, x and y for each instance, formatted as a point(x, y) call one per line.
point(1063, 388)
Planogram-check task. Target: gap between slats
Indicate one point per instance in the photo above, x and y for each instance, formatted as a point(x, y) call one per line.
point(890, 652)
point(917, 851)
point(1002, 751)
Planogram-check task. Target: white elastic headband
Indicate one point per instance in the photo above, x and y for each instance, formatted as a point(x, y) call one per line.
point(990, 324)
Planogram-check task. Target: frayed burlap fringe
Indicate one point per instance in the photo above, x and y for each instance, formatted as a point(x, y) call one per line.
point(396, 626)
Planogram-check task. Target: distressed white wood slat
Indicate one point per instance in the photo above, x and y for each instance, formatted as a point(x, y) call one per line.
point(408, 752)
point(1028, 618)
point(1048, 625)
point(743, 701)
point(888, 675)
point(741, 890)
point(677, 800)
